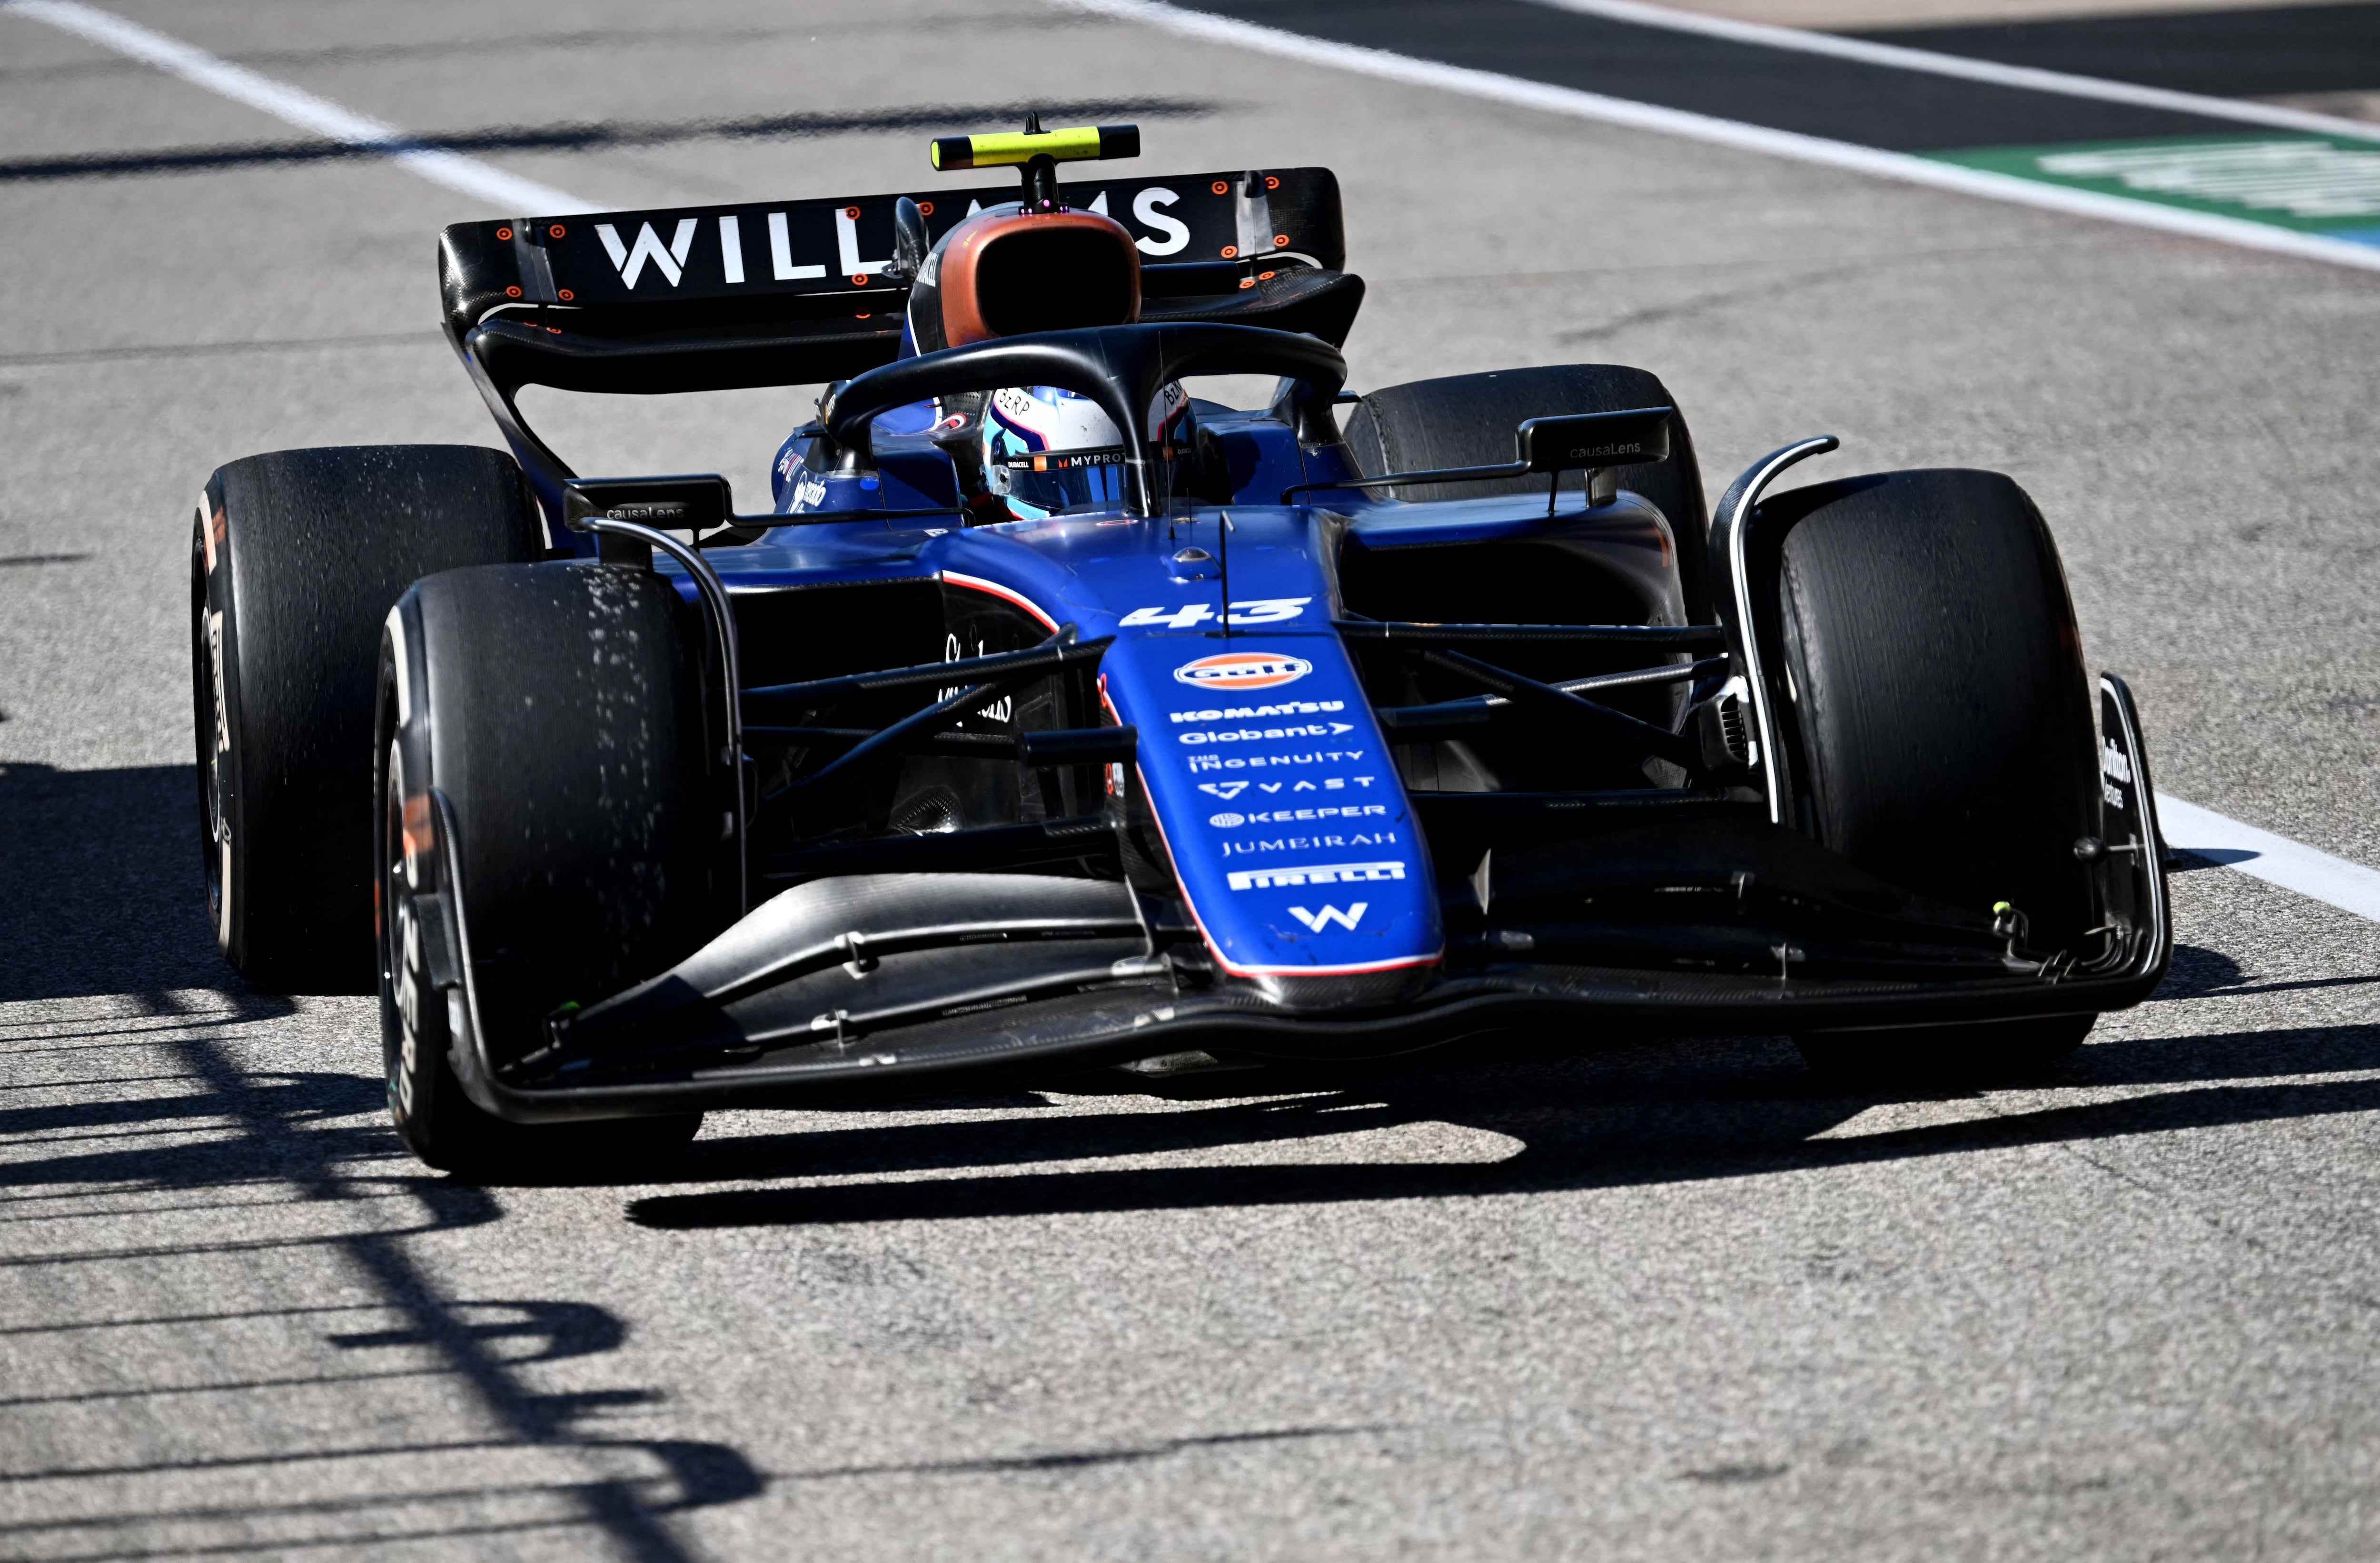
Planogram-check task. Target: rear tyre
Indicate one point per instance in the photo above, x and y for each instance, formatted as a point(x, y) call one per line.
point(1468, 421)
point(563, 713)
point(295, 560)
point(1939, 726)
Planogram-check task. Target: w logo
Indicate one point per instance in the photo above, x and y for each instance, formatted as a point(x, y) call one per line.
point(630, 262)
point(1317, 921)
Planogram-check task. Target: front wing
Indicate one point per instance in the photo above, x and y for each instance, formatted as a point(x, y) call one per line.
point(884, 984)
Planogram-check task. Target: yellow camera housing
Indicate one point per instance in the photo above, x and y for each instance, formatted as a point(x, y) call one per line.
point(1015, 149)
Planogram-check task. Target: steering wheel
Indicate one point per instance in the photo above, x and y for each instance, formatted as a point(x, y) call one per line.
point(1121, 368)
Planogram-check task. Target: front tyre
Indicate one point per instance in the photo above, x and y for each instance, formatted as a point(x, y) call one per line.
point(561, 713)
point(421, 1019)
point(435, 1118)
point(1938, 722)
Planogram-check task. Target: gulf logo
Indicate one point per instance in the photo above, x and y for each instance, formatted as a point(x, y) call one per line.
point(1243, 670)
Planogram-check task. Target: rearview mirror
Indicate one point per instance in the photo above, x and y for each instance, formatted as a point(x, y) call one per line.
point(1612, 438)
point(694, 501)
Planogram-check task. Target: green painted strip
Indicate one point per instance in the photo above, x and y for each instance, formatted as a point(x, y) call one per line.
point(2322, 185)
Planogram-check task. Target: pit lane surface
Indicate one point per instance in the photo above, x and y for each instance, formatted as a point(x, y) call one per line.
point(1658, 1299)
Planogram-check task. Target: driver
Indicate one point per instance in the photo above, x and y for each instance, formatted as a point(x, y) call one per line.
point(1030, 451)
point(1044, 451)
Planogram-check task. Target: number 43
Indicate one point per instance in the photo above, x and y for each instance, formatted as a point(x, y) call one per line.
point(1256, 611)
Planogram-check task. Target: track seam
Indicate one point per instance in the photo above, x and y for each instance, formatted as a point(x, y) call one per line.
point(295, 106)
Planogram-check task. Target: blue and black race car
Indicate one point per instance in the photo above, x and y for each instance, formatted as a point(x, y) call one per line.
point(1055, 716)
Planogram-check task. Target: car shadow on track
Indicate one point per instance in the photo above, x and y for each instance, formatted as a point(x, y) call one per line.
point(101, 885)
point(1633, 1113)
point(100, 895)
point(140, 1131)
point(142, 1146)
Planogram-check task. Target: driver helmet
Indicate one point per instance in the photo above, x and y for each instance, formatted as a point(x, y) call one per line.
point(1008, 270)
point(1046, 451)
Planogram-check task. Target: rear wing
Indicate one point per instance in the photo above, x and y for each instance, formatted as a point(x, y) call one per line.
point(784, 293)
point(804, 292)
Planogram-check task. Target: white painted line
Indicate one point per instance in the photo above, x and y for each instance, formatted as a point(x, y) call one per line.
point(1992, 71)
point(2261, 854)
point(1578, 104)
point(507, 193)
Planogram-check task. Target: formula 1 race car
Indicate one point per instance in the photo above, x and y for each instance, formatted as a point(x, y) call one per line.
point(1054, 717)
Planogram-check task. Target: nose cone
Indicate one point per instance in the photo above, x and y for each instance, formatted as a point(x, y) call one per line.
point(1290, 832)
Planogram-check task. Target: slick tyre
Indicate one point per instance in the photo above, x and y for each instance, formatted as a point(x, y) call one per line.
point(295, 560)
point(1469, 419)
point(549, 812)
point(1939, 726)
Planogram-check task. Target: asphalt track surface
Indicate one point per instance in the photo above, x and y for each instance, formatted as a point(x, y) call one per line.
point(2269, 52)
point(1847, 100)
point(1660, 1300)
